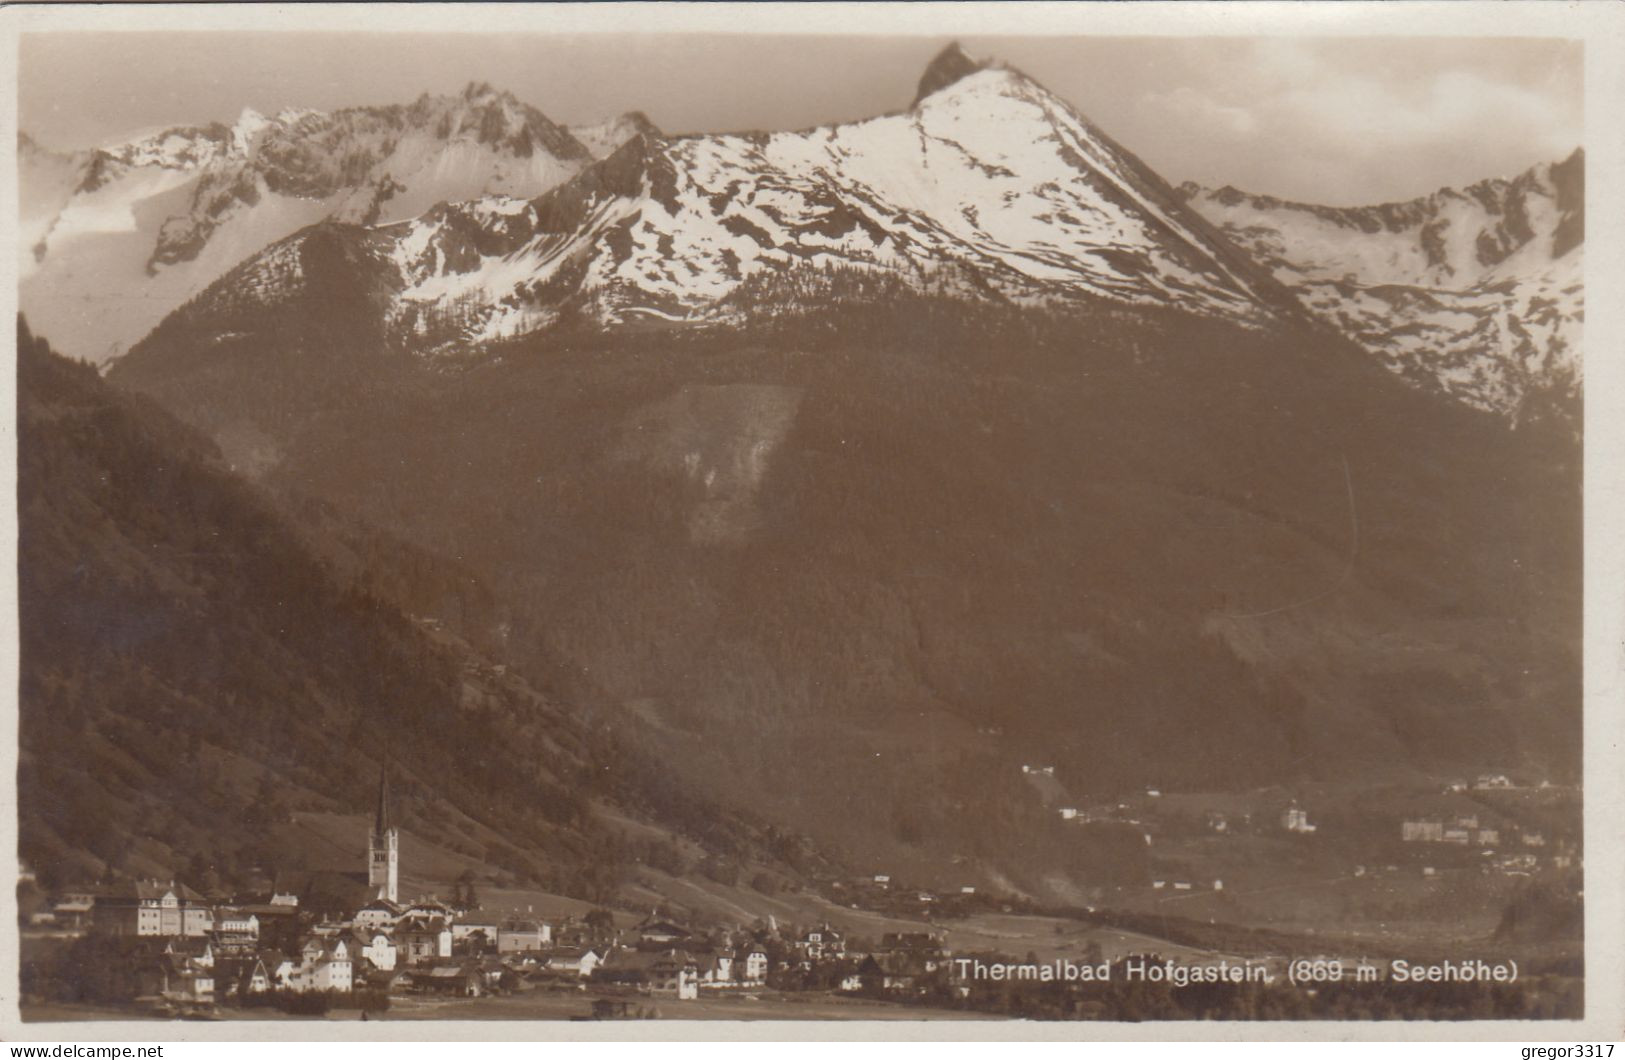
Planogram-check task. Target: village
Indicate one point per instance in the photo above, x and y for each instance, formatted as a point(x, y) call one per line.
point(180, 953)
point(360, 947)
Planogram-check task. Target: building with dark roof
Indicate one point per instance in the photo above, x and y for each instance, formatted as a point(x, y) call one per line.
point(153, 909)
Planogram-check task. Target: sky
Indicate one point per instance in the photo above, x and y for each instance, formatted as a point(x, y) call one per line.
point(1335, 120)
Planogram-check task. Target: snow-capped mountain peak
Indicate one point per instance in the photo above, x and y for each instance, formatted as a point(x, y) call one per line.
point(151, 221)
point(250, 124)
point(1475, 291)
point(989, 187)
point(949, 66)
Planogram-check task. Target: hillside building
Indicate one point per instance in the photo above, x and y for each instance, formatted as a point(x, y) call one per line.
point(1296, 819)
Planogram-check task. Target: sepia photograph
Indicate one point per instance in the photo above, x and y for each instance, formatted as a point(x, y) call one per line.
point(585, 517)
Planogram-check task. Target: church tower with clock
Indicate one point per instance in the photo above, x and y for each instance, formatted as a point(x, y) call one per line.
point(384, 847)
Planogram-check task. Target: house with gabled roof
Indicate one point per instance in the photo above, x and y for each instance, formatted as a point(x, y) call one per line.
point(241, 976)
point(662, 930)
point(375, 948)
point(421, 939)
point(378, 913)
point(750, 963)
point(714, 968)
point(429, 908)
point(321, 964)
point(822, 941)
point(674, 975)
point(461, 979)
point(523, 935)
point(575, 959)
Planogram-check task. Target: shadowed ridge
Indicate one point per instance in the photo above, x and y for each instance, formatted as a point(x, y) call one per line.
point(950, 65)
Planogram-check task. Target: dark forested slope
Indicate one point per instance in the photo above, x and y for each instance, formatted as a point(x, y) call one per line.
point(194, 670)
point(857, 561)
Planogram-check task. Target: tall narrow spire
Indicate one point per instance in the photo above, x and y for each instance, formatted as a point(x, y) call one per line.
point(381, 823)
point(384, 845)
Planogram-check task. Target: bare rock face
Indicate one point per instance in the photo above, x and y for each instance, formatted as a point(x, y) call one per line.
point(949, 66)
point(604, 138)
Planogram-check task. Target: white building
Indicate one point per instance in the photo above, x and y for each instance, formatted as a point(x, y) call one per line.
point(378, 948)
point(1296, 819)
point(235, 922)
point(377, 914)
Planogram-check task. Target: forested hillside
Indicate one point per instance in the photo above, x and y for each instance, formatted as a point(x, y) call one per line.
point(195, 670)
point(855, 566)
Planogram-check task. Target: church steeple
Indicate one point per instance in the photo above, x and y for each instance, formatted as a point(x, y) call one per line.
point(384, 846)
point(381, 823)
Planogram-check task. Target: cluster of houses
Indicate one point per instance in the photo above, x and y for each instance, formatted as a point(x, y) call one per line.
point(1508, 848)
point(1293, 818)
point(187, 949)
point(882, 893)
point(1462, 830)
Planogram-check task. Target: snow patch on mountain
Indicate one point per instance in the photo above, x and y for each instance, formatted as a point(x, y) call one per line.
point(1475, 292)
point(147, 224)
point(989, 180)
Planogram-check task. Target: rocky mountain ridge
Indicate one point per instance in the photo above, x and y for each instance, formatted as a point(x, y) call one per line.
point(989, 187)
point(148, 223)
point(1476, 293)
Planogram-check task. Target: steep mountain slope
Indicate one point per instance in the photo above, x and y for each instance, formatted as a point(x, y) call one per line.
point(1476, 293)
point(145, 225)
point(990, 453)
point(194, 670)
point(46, 180)
point(853, 569)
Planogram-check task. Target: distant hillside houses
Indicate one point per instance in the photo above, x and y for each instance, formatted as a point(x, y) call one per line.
point(1461, 830)
point(1296, 819)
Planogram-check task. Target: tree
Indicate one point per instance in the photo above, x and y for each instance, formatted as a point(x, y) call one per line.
point(601, 922)
point(463, 891)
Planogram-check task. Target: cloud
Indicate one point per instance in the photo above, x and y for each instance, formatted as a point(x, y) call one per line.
point(1355, 121)
point(1445, 105)
point(1192, 105)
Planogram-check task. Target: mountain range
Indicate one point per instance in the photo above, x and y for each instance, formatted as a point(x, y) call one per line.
point(847, 470)
point(150, 222)
point(1474, 292)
